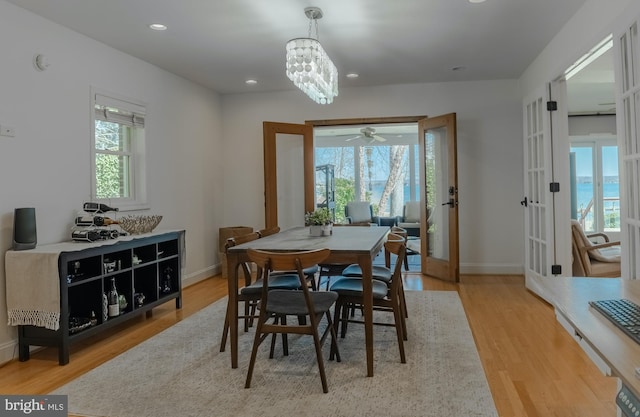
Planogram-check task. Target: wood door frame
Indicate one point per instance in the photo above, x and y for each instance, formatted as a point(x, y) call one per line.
point(365, 121)
point(269, 132)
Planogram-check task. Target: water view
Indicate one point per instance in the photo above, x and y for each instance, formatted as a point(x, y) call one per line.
point(611, 204)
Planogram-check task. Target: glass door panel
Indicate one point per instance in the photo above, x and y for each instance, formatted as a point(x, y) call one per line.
point(440, 187)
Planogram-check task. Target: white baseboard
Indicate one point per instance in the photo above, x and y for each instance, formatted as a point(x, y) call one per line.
point(9, 350)
point(201, 275)
point(465, 268)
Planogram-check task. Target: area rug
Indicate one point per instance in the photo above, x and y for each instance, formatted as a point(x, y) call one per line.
point(181, 372)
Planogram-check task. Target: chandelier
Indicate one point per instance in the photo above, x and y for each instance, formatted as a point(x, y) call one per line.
point(309, 66)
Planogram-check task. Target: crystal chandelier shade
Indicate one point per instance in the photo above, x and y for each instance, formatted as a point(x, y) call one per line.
point(311, 70)
point(309, 66)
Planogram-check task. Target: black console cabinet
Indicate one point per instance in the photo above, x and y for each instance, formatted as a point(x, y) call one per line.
point(148, 266)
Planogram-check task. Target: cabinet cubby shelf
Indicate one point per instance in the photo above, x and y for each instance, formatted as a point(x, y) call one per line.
point(146, 270)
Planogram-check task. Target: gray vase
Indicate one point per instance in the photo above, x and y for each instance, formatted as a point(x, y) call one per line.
point(315, 230)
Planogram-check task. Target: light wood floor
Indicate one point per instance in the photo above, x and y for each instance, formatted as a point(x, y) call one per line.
point(533, 366)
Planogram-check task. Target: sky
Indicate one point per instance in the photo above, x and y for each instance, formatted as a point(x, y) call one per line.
point(584, 166)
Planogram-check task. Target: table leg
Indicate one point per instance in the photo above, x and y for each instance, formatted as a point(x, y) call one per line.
point(232, 307)
point(365, 263)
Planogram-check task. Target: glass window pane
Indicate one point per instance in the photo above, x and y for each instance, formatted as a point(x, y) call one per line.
point(342, 159)
point(112, 136)
point(585, 186)
point(382, 174)
point(112, 176)
point(610, 188)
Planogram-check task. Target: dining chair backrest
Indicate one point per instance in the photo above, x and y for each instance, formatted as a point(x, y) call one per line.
point(239, 240)
point(288, 261)
point(395, 244)
point(399, 231)
point(269, 232)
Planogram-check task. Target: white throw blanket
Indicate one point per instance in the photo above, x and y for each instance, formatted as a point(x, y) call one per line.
point(33, 291)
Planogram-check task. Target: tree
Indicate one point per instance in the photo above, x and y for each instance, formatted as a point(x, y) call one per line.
point(357, 166)
point(396, 172)
point(108, 167)
point(345, 192)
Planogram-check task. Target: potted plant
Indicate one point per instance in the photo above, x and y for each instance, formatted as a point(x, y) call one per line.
point(320, 222)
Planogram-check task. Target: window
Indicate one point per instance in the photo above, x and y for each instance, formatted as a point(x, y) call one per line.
point(595, 184)
point(118, 152)
point(383, 170)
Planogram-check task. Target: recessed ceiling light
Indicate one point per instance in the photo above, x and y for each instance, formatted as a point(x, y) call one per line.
point(157, 26)
point(352, 75)
point(477, 1)
point(251, 82)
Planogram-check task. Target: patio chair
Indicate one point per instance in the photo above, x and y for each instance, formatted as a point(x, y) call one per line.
point(594, 259)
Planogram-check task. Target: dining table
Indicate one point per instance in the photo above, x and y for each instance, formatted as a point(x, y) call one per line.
point(348, 245)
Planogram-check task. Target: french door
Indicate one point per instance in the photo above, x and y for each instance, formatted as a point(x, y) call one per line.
point(538, 196)
point(288, 173)
point(439, 183)
point(627, 65)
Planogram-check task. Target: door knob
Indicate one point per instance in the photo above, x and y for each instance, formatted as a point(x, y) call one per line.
point(451, 203)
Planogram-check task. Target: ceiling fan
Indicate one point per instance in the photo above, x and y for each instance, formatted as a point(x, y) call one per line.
point(368, 134)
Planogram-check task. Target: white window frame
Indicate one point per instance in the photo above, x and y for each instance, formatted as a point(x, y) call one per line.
point(137, 199)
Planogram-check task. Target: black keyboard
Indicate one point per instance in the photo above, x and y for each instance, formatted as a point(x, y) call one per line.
point(623, 313)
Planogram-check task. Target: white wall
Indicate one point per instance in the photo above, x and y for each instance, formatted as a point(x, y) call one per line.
point(489, 155)
point(591, 24)
point(46, 164)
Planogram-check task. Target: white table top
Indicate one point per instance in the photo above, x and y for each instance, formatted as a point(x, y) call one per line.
point(351, 239)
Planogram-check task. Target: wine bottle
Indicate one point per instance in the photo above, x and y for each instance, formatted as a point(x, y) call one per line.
point(85, 235)
point(114, 304)
point(97, 208)
point(95, 221)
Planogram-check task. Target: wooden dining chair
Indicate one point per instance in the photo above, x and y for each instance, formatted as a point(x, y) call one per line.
point(329, 271)
point(249, 294)
point(385, 298)
point(277, 305)
point(412, 243)
point(309, 272)
point(383, 273)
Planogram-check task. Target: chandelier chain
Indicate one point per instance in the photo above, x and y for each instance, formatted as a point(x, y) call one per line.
point(313, 20)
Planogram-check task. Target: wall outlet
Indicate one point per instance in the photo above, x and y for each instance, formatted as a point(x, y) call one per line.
point(7, 131)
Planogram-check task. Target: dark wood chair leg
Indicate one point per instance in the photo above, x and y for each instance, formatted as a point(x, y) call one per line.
point(254, 351)
point(225, 333)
